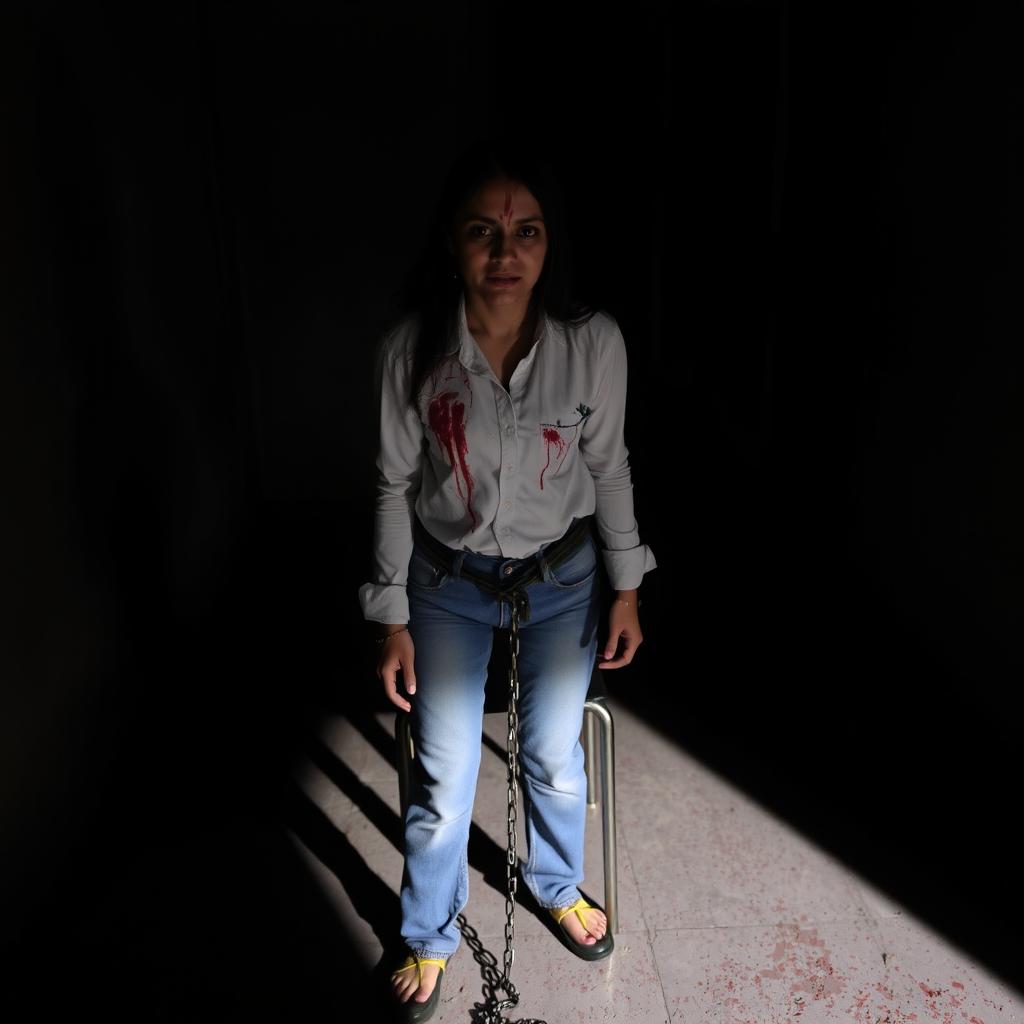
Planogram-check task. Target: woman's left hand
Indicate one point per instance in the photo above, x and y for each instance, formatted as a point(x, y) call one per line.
point(624, 623)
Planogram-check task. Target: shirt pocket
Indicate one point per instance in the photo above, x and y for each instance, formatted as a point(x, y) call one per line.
point(558, 439)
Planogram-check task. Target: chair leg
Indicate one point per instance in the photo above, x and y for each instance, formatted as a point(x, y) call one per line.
point(589, 753)
point(403, 745)
point(611, 868)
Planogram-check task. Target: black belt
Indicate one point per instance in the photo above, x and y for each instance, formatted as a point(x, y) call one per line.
point(515, 590)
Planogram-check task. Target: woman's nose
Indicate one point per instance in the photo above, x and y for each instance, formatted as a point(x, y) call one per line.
point(503, 244)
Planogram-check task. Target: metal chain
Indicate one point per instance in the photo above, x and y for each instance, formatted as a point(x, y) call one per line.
point(491, 1012)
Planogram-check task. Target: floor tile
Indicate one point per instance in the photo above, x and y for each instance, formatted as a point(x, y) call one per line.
point(930, 979)
point(808, 973)
point(727, 914)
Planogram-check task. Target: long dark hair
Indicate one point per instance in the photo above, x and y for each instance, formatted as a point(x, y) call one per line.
point(431, 291)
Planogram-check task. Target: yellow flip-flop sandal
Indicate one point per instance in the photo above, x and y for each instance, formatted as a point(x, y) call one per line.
point(593, 951)
point(412, 1012)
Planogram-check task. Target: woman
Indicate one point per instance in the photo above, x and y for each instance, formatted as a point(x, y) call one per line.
point(501, 441)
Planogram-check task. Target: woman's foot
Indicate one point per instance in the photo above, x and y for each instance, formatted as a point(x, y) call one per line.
point(406, 985)
point(597, 925)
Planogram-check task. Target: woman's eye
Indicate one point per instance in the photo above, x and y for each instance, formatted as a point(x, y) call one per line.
point(481, 231)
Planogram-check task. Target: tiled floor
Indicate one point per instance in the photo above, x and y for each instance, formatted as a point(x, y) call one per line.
point(727, 915)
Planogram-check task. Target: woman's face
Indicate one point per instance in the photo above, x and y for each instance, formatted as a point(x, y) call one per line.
point(499, 241)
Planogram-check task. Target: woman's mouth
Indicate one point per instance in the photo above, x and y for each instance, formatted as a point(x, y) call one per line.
point(502, 281)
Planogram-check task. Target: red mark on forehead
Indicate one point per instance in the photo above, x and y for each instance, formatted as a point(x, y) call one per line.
point(508, 208)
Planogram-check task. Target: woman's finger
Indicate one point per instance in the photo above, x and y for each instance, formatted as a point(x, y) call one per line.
point(630, 644)
point(611, 644)
point(389, 674)
point(609, 649)
point(396, 698)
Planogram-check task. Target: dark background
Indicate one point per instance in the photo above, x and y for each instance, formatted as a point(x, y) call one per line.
point(807, 220)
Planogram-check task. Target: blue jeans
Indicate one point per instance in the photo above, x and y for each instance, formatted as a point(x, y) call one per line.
point(451, 622)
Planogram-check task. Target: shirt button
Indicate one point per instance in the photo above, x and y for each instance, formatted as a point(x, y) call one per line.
point(511, 468)
point(508, 504)
point(508, 430)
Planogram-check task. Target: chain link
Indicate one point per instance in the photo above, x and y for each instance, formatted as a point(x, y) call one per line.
point(491, 1011)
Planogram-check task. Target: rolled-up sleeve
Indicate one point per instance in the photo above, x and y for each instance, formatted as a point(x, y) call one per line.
point(399, 473)
point(603, 447)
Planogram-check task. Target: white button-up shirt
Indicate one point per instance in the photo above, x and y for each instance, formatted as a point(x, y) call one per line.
point(503, 472)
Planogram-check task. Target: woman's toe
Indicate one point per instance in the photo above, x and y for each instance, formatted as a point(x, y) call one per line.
point(588, 935)
point(430, 973)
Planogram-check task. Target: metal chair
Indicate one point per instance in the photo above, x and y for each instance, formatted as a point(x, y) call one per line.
point(599, 756)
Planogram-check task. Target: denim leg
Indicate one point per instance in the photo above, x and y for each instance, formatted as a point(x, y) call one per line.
point(451, 656)
point(557, 653)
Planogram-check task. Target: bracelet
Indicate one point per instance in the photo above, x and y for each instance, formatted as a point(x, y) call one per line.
point(620, 600)
point(388, 636)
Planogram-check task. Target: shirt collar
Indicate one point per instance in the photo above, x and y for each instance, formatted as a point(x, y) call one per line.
point(469, 351)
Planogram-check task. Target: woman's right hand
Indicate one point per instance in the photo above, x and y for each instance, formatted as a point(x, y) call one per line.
point(397, 653)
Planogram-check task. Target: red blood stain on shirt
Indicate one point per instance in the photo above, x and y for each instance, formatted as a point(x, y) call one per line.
point(552, 437)
point(447, 418)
